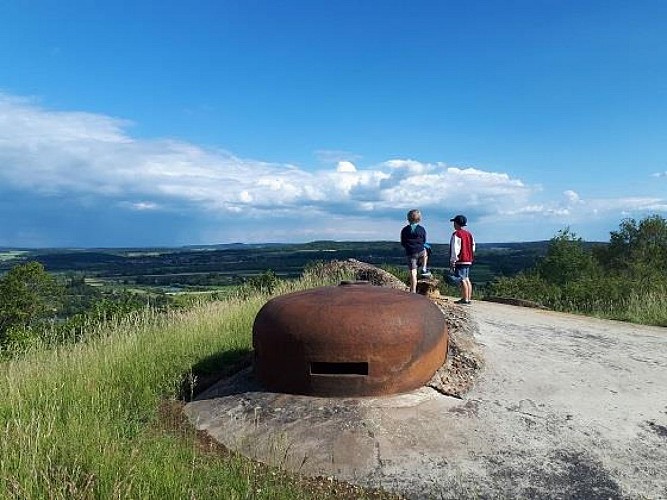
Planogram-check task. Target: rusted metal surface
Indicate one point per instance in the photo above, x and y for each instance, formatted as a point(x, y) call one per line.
point(348, 340)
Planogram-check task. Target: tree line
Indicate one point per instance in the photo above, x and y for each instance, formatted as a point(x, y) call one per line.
point(624, 279)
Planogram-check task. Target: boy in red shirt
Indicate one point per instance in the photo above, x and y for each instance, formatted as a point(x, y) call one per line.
point(461, 255)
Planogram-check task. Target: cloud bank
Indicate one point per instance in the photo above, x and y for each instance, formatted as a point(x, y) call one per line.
point(68, 161)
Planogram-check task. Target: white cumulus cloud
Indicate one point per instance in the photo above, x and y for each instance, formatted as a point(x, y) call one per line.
point(84, 156)
point(346, 166)
point(572, 197)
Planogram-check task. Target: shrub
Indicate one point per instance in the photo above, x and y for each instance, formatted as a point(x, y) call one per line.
point(28, 295)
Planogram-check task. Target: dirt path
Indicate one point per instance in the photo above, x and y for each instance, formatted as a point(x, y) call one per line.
point(566, 407)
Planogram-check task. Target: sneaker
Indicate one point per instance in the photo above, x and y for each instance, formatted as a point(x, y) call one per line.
point(463, 302)
point(426, 273)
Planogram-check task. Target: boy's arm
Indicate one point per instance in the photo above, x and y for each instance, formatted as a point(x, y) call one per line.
point(454, 249)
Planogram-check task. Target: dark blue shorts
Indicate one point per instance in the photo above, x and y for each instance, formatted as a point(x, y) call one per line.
point(463, 272)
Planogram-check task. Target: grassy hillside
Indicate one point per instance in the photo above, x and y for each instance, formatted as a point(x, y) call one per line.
point(88, 420)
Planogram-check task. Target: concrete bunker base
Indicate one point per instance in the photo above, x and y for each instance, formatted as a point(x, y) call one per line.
point(366, 441)
point(395, 442)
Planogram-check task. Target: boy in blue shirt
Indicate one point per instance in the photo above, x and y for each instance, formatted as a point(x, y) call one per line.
point(413, 240)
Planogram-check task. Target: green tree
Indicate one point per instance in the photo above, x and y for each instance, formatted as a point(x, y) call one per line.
point(637, 248)
point(625, 279)
point(28, 294)
point(566, 260)
point(265, 282)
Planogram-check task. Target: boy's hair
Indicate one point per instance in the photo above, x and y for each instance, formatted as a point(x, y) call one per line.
point(414, 216)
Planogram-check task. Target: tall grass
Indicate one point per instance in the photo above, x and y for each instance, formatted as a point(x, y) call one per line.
point(609, 297)
point(81, 421)
point(647, 308)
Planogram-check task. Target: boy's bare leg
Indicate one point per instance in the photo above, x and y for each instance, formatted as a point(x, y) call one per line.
point(413, 280)
point(466, 289)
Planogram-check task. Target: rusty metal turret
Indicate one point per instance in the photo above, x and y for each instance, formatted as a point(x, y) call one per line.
point(348, 340)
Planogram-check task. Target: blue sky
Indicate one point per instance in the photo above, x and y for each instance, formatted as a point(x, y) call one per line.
point(171, 123)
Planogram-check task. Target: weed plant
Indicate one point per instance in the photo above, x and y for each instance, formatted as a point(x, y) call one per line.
point(649, 308)
point(82, 420)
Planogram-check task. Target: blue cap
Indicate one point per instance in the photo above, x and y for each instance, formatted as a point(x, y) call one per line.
point(460, 220)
